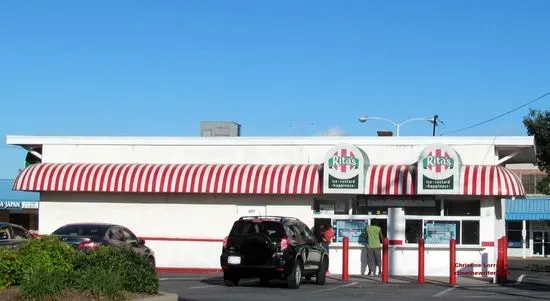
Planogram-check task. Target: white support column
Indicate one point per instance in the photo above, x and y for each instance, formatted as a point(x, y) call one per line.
point(396, 231)
point(524, 238)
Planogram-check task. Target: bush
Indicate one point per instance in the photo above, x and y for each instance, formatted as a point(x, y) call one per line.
point(100, 282)
point(138, 276)
point(10, 268)
point(48, 254)
point(40, 284)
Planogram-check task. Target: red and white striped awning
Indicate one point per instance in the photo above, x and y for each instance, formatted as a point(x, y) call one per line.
point(171, 178)
point(475, 180)
point(391, 180)
point(490, 180)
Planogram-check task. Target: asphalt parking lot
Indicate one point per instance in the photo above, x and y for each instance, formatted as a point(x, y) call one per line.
point(210, 287)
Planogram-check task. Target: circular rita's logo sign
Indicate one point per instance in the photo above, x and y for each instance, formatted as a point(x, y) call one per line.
point(344, 169)
point(438, 161)
point(438, 170)
point(344, 162)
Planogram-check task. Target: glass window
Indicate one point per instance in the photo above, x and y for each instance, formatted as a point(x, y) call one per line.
point(529, 183)
point(305, 232)
point(514, 225)
point(19, 233)
point(514, 238)
point(413, 231)
point(441, 232)
point(129, 237)
point(539, 178)
point(413, 210)
point(247, 227)
point(470, 232)
point(293, 232)
point(462, 208)
point(82, 230)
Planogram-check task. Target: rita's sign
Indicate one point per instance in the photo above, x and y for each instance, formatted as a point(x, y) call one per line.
point(438, 170)
point(344, 170)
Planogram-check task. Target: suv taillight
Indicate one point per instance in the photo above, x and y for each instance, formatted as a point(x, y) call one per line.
point(225, 243)
point(284, 244)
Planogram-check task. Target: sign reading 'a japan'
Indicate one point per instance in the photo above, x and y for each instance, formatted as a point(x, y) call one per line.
point(344, 170)
point(438, 170)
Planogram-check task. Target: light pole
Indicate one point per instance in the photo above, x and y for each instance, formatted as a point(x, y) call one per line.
point(398, 125)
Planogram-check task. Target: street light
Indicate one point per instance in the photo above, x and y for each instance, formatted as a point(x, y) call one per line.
point(398, 125)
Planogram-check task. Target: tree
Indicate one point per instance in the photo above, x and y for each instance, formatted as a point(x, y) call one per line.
point(538, 125)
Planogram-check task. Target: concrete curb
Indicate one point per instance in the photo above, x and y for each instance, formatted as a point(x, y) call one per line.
point(160, 297)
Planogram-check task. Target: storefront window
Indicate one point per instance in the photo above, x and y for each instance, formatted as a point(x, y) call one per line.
point(470, 232)
point(340, 206)
point(424, 210)
point(462, 208)
point(441, 232)
point(413, 230)
point(513, 232)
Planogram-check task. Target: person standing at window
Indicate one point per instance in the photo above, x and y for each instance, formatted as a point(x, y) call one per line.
point(374, 236)
point(328, 235)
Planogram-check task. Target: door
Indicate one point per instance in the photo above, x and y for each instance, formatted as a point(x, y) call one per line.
point(538, 243)
point(313, 247)
point(546, 245)
point(250, 211)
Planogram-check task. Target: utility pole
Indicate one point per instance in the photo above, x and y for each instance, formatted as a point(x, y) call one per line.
point(434, 124)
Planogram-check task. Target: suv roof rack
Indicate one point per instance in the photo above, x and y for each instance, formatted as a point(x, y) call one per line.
point(280, 218)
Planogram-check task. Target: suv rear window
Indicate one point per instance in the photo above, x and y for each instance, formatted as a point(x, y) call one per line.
point(272, 229)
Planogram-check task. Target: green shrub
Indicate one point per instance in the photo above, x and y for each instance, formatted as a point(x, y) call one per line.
point(48, 254)
point(42, 284)
point(10, 268)
point(138, 276)
point(100, 282)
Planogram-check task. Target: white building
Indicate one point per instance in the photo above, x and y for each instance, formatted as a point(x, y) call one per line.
point(183, 194)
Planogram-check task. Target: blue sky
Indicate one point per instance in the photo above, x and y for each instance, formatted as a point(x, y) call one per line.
point(276, 67)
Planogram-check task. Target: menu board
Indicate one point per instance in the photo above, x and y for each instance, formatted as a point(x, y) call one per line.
point(353, 229)
point(440, 233)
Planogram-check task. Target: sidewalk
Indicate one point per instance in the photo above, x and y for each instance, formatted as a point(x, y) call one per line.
point(466, 281)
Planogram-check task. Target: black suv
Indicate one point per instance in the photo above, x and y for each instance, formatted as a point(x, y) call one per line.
point(272, 247)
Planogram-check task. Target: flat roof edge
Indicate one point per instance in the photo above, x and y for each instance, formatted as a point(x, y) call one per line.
point(522, 141)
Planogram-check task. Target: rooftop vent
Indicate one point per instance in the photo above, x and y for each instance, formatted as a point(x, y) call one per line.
point(384, 133)
point(220, 129)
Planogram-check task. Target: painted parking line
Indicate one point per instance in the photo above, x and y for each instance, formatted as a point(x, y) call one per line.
point(445, 291)
point(336, 287)
point(520, 278)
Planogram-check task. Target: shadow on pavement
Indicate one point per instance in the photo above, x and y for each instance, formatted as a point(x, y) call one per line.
point(253, 282)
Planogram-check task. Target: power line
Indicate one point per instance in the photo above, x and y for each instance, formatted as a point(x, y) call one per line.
point(496, 117)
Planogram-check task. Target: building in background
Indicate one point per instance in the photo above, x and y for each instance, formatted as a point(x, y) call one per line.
point(18, 207)
point(182, 194)
point(528, 220)
point(220, 129)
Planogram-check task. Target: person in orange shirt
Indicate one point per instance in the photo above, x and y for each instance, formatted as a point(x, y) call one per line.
point(328, 235)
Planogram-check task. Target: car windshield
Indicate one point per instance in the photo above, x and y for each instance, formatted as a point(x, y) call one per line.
point(272, 229)
point(82, 230)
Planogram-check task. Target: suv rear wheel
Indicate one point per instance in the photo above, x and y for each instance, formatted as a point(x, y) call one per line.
point(295, 277)
point(230, 279)
point(321, 277)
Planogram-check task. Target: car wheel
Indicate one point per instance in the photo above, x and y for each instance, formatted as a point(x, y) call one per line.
point(230, 279)
point(294, 279)
point(321, 278)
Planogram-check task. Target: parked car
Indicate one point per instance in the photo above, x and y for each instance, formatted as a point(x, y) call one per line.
point(89, 236)
point(272, 248)
point(12, 235)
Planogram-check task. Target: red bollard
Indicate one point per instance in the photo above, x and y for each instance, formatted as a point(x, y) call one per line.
point(452, 263)
point(421, 260)
point(385, 261)
point(504, 259)
point(345, 259)
point(500, 261)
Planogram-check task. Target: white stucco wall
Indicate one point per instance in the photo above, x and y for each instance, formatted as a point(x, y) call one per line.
point(258, 154)
point(167, 216)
